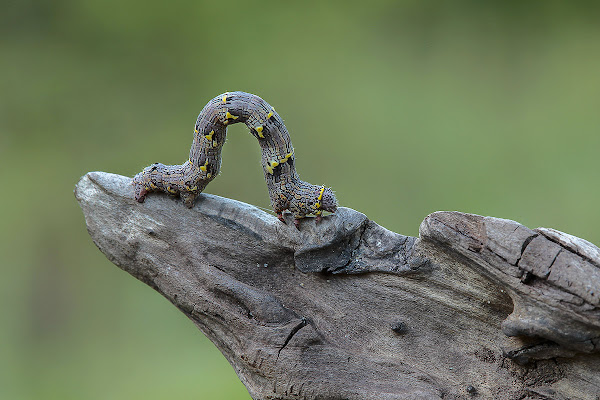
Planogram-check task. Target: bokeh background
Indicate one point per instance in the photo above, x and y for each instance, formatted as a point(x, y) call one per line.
point(403, 107)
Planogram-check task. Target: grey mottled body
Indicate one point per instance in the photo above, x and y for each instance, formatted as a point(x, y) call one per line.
point(286, 190)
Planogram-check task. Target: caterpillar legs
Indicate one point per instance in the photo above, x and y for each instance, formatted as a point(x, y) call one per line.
point(149, 181)
point(280, 217)
point(139, 193)
point(188, 198)
point(297, 219)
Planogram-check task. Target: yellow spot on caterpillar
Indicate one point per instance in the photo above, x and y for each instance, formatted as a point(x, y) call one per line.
point(317, 205)
point(270, 114)
point(193, 188)
point(196, 130)
point(210, 135)
point(214, 143)
point(274, 164)
point(170, 190)
point(228, 115)
point(225, 98)
point(152, 185)
point(318, 212)
point(321, 194)
point(203, 167)
point(208, 175)
point(259, 130)
point(269, 169)
point(287, 157)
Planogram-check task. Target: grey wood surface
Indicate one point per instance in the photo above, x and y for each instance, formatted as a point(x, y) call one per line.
point(476, 307)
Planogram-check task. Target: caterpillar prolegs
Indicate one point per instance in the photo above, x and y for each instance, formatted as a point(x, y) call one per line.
point(286, 190)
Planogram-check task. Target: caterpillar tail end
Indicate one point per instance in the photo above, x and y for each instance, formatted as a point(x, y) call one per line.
point(139, 188)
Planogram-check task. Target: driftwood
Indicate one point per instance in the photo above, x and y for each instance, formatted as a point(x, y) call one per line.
point(476, 307)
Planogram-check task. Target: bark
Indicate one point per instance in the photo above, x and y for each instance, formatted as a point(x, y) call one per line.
point(476, 307)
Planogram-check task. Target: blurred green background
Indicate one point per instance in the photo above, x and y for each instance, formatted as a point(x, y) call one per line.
point(404, 108)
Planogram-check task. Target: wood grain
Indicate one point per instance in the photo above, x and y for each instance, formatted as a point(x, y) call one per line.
point(476, 307)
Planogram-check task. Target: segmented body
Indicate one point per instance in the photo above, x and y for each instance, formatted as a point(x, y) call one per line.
point(286, 190)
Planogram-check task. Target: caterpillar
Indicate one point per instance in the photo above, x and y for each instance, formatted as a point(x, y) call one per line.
point(286, 190)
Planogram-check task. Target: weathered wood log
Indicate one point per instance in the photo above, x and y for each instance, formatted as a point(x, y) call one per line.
point(476, 307)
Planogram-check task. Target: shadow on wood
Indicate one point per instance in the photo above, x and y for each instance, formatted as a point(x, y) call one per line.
point(476, 307)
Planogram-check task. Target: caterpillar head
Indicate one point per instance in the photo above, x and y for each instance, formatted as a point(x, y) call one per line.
point(325, 201)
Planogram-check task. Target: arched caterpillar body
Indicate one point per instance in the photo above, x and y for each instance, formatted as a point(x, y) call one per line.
point(286, 190)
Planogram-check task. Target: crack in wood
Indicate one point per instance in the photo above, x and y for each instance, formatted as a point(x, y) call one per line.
point(293, 332)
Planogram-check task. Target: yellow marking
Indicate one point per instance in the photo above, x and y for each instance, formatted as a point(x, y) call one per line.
point(318, 212)
point(196, 130)
point(228, 115)
point(193, 188)
point(287, 157)
point(317, 205)
point(321, 193)
point(274, 164)
point(210, 135)
point(259, 129)
point(170, 190)
point(152, 185)
point(203, 167)
point(215, 143)
point(225, 98)
point(269, 169)
point(270, 114)
point(208, 175)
